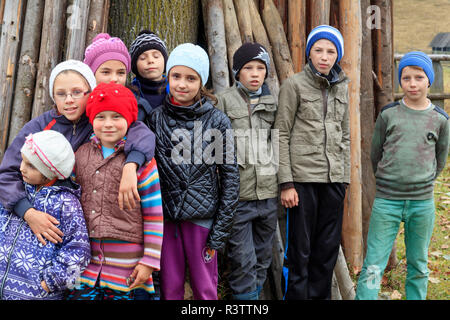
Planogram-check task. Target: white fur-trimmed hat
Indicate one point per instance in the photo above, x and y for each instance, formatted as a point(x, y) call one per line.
point(74, 65)
point(50, 153)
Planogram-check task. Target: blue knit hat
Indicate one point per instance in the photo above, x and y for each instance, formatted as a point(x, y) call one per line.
point(329, 33)
point(192, 56)
point(418, 59)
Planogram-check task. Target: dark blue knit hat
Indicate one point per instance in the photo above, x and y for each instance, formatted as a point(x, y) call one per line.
point(329, 33)
point(418, 59)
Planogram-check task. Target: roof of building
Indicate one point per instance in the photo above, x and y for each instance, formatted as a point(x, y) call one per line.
point(441, 40)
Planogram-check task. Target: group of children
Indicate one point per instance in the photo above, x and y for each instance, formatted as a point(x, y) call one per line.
point(112, 194)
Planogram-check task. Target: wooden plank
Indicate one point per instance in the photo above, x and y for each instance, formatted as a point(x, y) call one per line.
point(49, 54)
point(243, 16)
point(297, 32)
point(277, 37)
point(13, 16)
point(217, 49)
point(76, 28)
point(27, 67)
point(350, 22)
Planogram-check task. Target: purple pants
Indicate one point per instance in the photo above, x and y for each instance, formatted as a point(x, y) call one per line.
point(183, 243)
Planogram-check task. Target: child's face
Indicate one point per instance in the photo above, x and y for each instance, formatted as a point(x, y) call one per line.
point(110, 127)
point(252, 75)
point(323, 55)
point(414, 83)
point(111, 70)
point(184, 84)
point(30, 174)
point(150, 65)
point(71, 106)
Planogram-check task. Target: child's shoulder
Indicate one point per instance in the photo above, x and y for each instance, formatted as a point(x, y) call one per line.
point(390, 106)
point(441, 112)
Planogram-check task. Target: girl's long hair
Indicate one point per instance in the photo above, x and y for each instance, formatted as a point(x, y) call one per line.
point(203, 92)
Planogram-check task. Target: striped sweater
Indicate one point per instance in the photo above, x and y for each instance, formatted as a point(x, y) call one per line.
point(114, 260)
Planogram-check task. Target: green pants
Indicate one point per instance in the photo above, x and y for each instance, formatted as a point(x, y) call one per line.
point(418, 218)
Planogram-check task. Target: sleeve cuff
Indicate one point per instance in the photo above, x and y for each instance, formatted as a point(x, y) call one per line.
point(21, 207)
point(136, 157)
point(287, 185)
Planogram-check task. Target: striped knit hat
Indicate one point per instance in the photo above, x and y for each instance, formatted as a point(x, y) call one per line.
point(418, 59)
point(50, 153)
point(329, 33)
point(146, 40)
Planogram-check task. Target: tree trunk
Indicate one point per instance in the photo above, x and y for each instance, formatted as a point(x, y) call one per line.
point(320, 13)
point(297, 32)
point(53, 26)
point(13, 17)
point(243, 16)
point(97, 23)
point(346, 287)
point(282, 8)
point(76, 28)
point(217, 48)
point(260, 35)
point(174, 21)
point(335, 293)
point(27, 68)
point(280, 47)
point(233, 37)
point(350, 15)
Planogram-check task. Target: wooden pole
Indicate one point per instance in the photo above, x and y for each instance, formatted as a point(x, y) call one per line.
point(95, 20)
point(280, 47)
point(9, 47)
point(297, 32)
point(76, 28)
point(49, 54)
point(260, 35)
point(282, 7)
point(27, 67)
point(350, 22)
point(320, 13)
point(243, 16)
point(233, 37)
point(217, 49)
point(343, 278)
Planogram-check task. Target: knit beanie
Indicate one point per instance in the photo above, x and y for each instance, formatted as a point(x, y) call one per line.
point(146, 40)
point(192, 56)
point(112, 97)
point(50, 153)
point(247, 52)
point(104, 48)
point(73, 65)
point(418, 59)
point(329, 33)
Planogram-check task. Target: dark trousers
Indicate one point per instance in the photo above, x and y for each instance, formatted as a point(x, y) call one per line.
point(313, 239)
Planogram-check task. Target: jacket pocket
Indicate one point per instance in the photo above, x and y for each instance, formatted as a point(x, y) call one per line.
point(340, 105)
point(311, 107)
point(267, 119)
point(303, 150)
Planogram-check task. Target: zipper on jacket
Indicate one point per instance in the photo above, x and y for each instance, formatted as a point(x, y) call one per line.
point(9, 259)
point(74, 129)
point(325, 110)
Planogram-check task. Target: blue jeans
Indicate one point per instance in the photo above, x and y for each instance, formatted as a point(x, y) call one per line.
point(418, 218)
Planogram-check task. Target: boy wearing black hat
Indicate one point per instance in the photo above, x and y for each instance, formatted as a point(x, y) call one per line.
point(251, 109)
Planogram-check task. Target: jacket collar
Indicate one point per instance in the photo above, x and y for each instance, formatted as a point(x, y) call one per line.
point(265, 97)
point(319, 80)
point(96, 142)
point(187, 113)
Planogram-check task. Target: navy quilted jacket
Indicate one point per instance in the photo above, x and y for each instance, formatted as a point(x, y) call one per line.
point(198, 170)
point(25, 262)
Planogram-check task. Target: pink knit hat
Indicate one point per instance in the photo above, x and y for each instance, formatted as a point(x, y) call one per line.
point(104, 48)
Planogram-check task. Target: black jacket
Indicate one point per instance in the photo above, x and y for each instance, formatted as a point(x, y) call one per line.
point(193, 184)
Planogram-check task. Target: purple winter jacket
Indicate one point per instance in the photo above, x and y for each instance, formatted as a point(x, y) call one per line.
point(139, 148)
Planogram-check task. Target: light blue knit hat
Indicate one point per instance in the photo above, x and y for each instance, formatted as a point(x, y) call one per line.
point(192, 56)
point(329, 33)
point(418, 59)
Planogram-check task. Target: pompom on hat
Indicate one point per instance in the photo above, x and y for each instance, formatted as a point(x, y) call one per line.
point(112, 97)
point(247, 52)
point(104, 48)
point(329, 33)
point(50, 153)
point(418, 59)
point(74, 65)
point(191, 56)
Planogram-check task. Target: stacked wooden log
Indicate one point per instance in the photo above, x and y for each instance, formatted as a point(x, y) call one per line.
point(35, 36)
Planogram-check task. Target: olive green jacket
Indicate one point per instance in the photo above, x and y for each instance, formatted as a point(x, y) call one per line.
point(254, 149)
point(313, 124)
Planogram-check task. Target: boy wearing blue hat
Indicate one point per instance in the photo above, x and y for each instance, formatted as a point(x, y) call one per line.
point(314, 168)
point(409, 150)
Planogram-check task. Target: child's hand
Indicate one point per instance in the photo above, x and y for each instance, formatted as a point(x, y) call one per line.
point(43, 225)
point(128, 192)
point(44, 286)
point(140, 275)
point(289, 198)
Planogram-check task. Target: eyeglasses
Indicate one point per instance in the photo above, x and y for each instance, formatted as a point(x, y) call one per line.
point(75, 95)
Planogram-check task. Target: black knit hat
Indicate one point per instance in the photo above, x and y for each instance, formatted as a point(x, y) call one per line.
point(146, 40)
point(247, 52)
